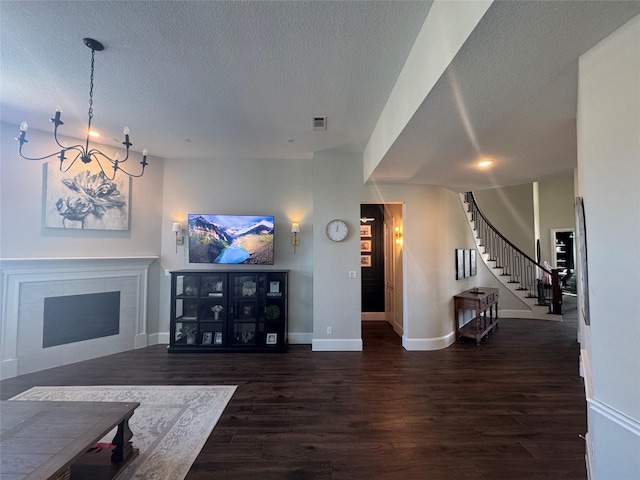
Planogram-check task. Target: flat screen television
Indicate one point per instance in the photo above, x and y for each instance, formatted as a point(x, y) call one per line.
point(225, 239)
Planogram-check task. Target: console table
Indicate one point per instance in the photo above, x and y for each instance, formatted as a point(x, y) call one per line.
point(42, 440)
point(482, 301)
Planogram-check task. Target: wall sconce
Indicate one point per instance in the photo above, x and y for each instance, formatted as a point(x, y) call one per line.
point(398, 234)
point(295, 238)
point(177, 228)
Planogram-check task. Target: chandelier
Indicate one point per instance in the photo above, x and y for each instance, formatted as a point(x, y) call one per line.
point(82, 152)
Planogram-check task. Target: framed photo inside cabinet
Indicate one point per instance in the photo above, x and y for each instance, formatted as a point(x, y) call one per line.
point(207, 338)
point(272, 338)
point(217, 339)
point(246, 309)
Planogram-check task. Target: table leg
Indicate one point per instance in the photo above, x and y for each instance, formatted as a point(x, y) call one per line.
point(122, 441)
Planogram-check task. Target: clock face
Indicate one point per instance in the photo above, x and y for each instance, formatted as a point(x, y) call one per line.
point(337, 230)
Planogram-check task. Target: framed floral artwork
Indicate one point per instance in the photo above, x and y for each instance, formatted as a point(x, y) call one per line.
point(83, 198)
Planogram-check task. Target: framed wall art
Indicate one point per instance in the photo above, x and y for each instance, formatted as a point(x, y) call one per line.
point(365, 246)
point(474, 265)
point(582, 260)
point(83, 199)
point(467, 262)
point(459, 263)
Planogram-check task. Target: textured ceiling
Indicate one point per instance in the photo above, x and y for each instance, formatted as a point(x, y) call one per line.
point(239, 79)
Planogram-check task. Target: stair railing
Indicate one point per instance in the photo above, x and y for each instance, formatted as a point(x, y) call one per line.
point(521, 269)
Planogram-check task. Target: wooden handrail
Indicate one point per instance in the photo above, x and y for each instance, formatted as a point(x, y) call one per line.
point(517, 265)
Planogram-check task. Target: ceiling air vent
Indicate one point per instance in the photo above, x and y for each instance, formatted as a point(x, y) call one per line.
point(319, 123)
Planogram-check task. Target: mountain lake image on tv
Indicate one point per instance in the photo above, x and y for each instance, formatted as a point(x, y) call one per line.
point(244, 239)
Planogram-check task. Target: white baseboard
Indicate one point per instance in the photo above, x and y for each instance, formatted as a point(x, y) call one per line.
point(161, 338)
point(339, 345)
point(8, 368)
point(428, 343)
point(141, 340)
point(297, 338)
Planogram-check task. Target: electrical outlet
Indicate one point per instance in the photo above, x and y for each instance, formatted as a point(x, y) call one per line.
point(329, 331)
point(353, 274)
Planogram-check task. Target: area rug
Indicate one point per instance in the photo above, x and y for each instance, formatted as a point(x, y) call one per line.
point(169, 427)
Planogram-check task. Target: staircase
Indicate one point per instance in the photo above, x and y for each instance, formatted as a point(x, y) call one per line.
point(538, 287)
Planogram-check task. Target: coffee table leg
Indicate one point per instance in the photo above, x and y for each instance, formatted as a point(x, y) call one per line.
point(122, 441)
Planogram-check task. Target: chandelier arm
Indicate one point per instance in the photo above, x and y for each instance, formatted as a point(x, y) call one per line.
point(94, 154)
point(55, 137)
point(36, 158)
point(115, 164)
point(78, 155)
point(46, 156)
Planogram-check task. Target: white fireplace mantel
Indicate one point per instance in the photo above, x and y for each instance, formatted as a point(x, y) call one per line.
point(26, 282)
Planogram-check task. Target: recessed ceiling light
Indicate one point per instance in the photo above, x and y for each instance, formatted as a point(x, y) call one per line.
point(485, 162)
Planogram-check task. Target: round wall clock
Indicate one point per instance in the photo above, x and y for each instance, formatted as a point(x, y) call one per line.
point(337, 230)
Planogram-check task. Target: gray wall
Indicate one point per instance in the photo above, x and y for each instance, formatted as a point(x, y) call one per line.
point(22, 230)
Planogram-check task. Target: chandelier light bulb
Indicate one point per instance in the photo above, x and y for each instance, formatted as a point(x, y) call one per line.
point(24, 126)
point(126, 130)
point(144, 152)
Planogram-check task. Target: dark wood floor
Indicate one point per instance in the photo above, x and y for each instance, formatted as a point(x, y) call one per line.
point(512, 408)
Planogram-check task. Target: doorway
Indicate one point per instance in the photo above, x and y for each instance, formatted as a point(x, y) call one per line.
point(381, 263)
point(564, 257)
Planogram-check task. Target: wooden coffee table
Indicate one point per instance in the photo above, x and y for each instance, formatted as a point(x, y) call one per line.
point(41, 440)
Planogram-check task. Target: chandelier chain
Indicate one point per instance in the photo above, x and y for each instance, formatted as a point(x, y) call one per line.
point(93, 55)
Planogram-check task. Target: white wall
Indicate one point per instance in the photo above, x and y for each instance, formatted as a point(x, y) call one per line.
point(511, 211)
point(609, 181)
point(275, 187)
point(22, 230)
